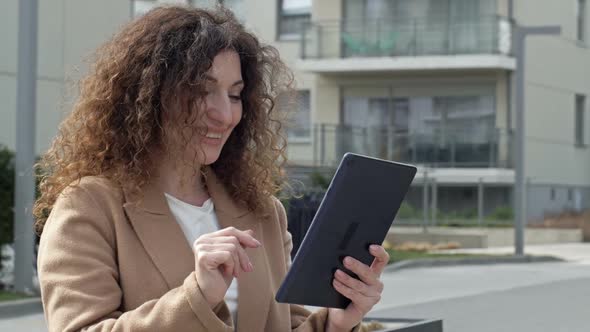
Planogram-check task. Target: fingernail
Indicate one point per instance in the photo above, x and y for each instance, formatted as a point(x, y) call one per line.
point(258, 243)
point(250, 267)
point(374, 247)
point(348, 261)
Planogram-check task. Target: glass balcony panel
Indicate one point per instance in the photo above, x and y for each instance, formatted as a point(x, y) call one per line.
point(406, 37)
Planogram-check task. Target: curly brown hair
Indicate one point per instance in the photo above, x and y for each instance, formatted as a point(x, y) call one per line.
point(115, 129)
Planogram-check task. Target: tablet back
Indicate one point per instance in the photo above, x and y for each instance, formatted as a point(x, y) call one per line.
point(357, 211)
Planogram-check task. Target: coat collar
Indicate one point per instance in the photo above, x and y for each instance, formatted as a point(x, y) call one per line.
point(165, 243)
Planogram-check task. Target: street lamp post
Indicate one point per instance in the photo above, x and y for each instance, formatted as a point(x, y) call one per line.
point(24, 195)
point(520, 34)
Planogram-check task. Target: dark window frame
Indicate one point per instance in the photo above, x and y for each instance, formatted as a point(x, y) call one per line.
point(280, 35)
point(581, 21)
point(579, 120)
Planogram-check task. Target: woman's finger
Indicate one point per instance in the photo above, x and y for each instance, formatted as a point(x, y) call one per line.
point(381, 258)
point(363, 271)
point(246, 238)
point(244, 259)
point(238, 261)
point(364, 303)
point(203, 251)
point(356, 284)
point(348, 292)
point(211, 260)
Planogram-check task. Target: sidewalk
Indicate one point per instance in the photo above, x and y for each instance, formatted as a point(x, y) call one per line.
point(571, 252)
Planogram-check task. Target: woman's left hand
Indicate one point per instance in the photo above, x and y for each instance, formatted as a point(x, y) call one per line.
point(363, 293)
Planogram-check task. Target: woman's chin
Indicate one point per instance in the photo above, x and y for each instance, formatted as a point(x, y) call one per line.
point(210, 159)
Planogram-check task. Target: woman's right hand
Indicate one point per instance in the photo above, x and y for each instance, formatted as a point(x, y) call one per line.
point(219, 257)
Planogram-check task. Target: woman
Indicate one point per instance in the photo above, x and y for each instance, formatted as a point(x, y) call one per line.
point(160, 192)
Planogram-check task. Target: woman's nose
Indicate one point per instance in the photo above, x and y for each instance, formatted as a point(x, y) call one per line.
point(219, 108)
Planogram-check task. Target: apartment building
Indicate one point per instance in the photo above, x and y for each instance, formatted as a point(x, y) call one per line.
point(427, 82)
point(431, 82)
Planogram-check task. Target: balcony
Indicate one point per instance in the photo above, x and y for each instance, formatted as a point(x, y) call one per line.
point(406, 44)
point(453, 149)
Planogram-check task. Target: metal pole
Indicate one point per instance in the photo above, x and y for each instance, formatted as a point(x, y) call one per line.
point(302, 43)
point(425, 202)
point(323, 144)
point(480, 202)
point(520, 34)
point(434, 203)
point(24, 195)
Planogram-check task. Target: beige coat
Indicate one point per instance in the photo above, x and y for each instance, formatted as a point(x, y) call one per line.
point(108, 262)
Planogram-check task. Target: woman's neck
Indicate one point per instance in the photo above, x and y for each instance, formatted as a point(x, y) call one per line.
point(184, 183)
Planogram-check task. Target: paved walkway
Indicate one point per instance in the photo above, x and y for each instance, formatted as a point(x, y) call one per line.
point(571, 252)
point(428, 292)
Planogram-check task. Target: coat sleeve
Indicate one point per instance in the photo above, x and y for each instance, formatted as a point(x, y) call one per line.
point(302, 320)
point(79, 281)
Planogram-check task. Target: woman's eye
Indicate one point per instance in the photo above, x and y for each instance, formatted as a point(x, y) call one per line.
point(235, 98)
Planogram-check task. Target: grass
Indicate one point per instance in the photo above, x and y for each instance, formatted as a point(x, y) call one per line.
point(398, 256)
point(9, 296)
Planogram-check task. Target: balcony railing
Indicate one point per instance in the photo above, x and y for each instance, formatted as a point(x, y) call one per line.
point(450, 149)
point(405, 37)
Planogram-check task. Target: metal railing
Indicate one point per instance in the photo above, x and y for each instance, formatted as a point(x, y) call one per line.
point(403, 36)
point(443, 149)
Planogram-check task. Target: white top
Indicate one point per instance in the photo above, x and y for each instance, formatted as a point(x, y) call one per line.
point(196, 221)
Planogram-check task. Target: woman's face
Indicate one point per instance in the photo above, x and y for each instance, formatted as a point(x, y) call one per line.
point(222, 109)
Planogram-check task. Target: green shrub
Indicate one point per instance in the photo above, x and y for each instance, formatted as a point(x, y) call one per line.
point(502, 213)
point(318, 180)
point(406, 211)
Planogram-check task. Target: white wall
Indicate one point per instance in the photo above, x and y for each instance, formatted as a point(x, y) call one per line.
point(556, 69)
point(69, 31)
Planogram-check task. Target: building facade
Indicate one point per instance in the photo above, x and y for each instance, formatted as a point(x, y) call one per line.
point(427, 82)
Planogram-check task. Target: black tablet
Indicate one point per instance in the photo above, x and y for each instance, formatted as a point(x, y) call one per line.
point(356, 211)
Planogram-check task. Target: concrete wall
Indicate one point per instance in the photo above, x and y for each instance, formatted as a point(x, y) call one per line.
point(557, 68)
point(481, 237)
point(69, 30)
point(546, 200)
point(503, 7)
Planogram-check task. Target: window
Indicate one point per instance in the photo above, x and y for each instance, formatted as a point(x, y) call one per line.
point(582, 20)
point(299, 126)
point(580, 118)
point(442, 130)
point(293, 16)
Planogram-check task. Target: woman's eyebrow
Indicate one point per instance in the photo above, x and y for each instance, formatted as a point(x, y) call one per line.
point(214, 80)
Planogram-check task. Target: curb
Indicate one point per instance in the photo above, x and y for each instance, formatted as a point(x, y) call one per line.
point(430, 262)
point(18, 308)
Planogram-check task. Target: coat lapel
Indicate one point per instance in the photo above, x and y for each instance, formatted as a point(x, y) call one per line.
point(160, 234)
point(165, 243)
point(254, 293)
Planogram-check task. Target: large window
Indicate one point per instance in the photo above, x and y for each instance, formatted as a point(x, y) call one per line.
point(443, 130)
point(299, 128)
point(421, 26)
point(469, 117)
point(582, 20)
point(293, 15)
point(432, 9)
point(580, 118)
